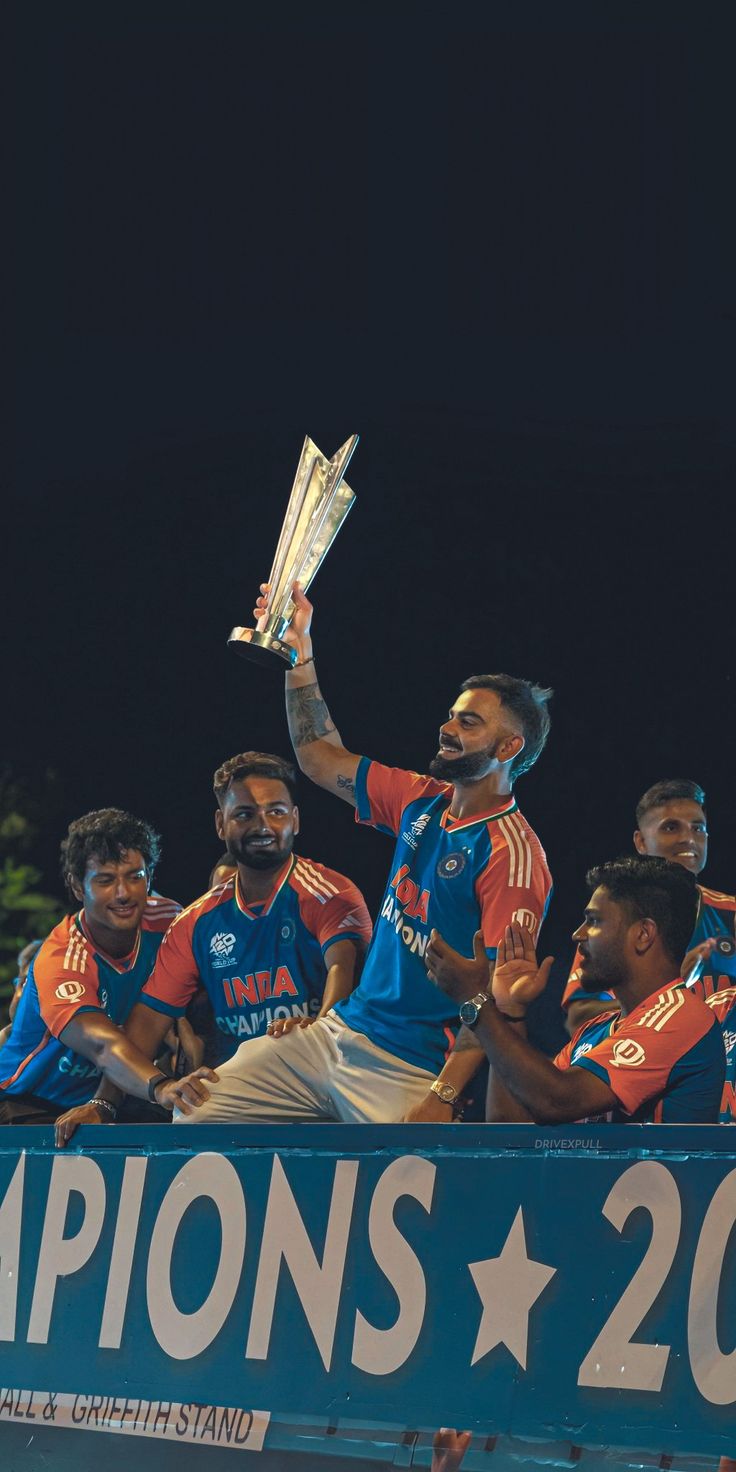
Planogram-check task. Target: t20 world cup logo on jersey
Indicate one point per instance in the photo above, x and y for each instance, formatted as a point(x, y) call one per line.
point(221, 948)
point(412, 834)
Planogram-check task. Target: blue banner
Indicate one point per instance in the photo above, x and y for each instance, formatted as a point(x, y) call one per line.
point(220, 1285)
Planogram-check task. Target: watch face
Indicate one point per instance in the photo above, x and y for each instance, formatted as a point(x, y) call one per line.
point(469, 1013)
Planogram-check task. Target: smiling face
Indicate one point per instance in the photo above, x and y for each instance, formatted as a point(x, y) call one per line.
point(477, 737)
point(114, 896)
point(676, 830)
point(258, 822)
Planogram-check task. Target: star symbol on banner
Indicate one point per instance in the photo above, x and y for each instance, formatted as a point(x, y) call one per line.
point(508, 1286)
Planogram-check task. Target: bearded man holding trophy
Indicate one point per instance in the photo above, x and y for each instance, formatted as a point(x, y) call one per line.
point(466, 865)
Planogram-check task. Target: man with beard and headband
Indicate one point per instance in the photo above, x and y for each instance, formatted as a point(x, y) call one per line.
point(659, 1058)
point(465, 859)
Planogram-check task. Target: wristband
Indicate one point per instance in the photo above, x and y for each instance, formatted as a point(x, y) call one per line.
point(302, 662)
point(105, 1104)
point(509, 1018)
point(153, 1083)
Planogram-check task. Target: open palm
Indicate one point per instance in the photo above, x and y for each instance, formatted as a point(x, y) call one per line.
point(517, 978)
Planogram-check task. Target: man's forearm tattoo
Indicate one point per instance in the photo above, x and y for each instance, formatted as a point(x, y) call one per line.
point(307, 715)
point(346, 783)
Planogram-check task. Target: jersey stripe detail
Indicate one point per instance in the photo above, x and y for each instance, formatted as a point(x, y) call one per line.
point(520, 852)
point(318, 877)
point(76, 953)
point(307, 884)
point(526, 849)
point(665, 1007)
point(6, 1082)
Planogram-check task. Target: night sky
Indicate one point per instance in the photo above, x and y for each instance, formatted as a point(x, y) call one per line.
point(495, 241)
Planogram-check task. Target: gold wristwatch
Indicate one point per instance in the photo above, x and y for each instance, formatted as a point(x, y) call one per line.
point(446, 1092)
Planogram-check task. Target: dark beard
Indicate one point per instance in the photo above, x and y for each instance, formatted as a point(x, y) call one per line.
point(260, 858)
point(461, 768)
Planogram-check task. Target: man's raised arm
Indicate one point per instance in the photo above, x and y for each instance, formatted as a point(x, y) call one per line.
point(316, 741)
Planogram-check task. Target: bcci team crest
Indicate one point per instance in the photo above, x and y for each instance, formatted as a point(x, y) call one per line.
point(288, 931)
point(221, 948)
point(725, 946)
point(452, 865)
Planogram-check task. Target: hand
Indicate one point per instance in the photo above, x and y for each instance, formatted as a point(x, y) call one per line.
point(185, 1094)
point(517, 979)
point(696, 957)
point(282, 1025)
point(431, 1110)
point(298, 631)
point(87, 1113)
point(454, 974)
point(449, 1448)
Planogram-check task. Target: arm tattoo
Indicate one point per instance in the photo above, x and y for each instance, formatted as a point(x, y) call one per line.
point(307, 715)
point(346, 784)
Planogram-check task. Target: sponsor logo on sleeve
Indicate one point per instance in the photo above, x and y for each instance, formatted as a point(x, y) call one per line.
point(69, 991)
point(627, 1054)
point(529, 920)
point(350, 920)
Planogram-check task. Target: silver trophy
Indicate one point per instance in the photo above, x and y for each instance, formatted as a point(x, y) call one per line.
point(319, 502)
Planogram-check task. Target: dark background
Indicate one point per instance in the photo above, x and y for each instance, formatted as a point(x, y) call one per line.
point(498, 242)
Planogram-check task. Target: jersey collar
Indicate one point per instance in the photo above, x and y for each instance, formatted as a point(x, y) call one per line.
point(264, 906)
point(121, 964)
point(453, 825)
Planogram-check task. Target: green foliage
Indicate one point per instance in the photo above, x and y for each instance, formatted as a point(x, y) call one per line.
point(26, 913)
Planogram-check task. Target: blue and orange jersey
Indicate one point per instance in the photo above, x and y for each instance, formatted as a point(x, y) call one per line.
point(723, 1006)
point(716, 915)
point(456, 876)
point(664, 1060)
point(259, 962)
point(67, 976)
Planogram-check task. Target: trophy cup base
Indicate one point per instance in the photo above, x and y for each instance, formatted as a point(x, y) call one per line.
point(261, 648)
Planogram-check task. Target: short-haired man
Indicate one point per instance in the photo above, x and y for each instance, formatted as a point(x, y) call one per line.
point(658, 1058)
point(671, 824)
point(276, 945)
point(85, 978)
point(464, 858)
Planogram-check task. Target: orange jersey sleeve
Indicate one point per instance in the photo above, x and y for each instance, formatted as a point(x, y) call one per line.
point(382, 793)
point(175, 976)
point(65, 973)
point(515, 883)
point(331, 906)
point(639, 1053)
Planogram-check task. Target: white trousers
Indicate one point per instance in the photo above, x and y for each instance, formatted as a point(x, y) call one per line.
point(325, 1071)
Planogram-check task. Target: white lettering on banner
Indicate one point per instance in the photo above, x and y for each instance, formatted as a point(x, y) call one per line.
point(11, 1217)
point(714, 1372)
point(381, 1351)
point(165, 1420)
point(183, 1335)
point(285, 1236)
point(616, 1361)
point(123, 1247)
point(612, 1359)
point(59, 1255)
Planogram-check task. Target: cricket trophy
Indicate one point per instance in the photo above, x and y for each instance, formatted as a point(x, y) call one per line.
point(319, 502)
